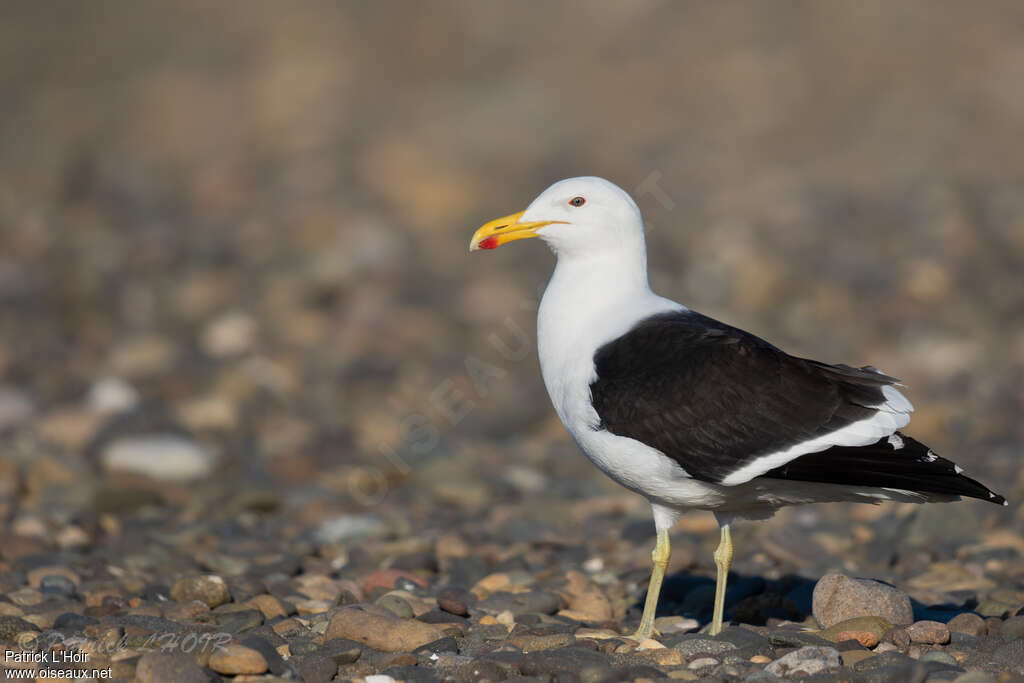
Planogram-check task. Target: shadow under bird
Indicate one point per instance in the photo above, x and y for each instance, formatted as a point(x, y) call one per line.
point(692, 413)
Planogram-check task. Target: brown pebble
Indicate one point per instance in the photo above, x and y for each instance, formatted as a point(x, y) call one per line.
point(898, 637)
point(233, 659)
point(210, 589)
point(268, 605)
point(968, 623)
point(929, 632)
point(384, 633)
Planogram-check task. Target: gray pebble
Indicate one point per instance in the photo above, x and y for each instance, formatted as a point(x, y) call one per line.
point(807, 661)
point(692, 645)
point(396, 605)
point(56, 584)
point(940, 657)
point(160, 667)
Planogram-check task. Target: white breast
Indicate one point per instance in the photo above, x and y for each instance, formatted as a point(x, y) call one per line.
point(582, 309)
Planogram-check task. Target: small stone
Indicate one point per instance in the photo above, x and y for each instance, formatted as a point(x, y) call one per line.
point(396, 605)
point(111, 395)
point(1013, 627)
point(15, 407)
point(807, 661)
point(230, 334)
point(898, 637)
point(968, 623)
point(852, 657)
point(307, 607)
point(587, 598)
point(928, 632)
point(390, 579)
point(238, 620)
point(12, 627)
point(160, 457)
point(670, 625)
point(314, 668)
point(838, 597)
point(940, 657)
point(666, 656)
point(270, 606)
point(55, 584)
point(455, 600)
point(702, 663)
point(491, 583)
point(387, 634)
point(867, 631)
point(35, 576)
point(210, 589)
point(692, 645)
point(26, 597)
point(72, 536)
point(975, 677)
point(160, 667)
point(348, 527)
point(549, 642)
point(760, 659)
point(482, 670)
point(233, 659)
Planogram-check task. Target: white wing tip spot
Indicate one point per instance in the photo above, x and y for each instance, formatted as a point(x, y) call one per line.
point(895, 441)
point(958, 469)
point(930, 457)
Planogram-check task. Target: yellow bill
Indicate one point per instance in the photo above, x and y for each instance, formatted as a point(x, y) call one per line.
point(506, 229)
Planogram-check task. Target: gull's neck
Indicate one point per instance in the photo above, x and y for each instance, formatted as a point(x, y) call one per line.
point(591, 299)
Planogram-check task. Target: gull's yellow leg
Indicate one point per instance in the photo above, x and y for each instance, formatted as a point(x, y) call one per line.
point(723, 558)
point(660, 556)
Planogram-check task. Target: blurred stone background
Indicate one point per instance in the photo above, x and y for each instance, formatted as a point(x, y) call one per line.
point(233, 240)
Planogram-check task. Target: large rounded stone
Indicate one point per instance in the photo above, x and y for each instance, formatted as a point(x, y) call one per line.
point(387, 634)
point(838, 598)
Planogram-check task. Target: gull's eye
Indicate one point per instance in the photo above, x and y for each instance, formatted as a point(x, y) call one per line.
point(577, 201)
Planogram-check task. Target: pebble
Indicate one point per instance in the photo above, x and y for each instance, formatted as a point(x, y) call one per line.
point(163, 667)
point(838, 597)
point(11, 627)
point(159, 457)
point(967, 623)
point(396, 605)
point(111, 395)
point(390, 579)
point(210, 590)
point(702, 663)
point(230, 334)
point(15, 407)
point(807, 661)
point(940, 657)
point(268, 605)
point(586, 598)
point(691, 646)
point(234, 659)
point(675, 624)
point(1013, 627)
point(929, 632)
point(455, 600)
point(867, 631)
point(387, 634)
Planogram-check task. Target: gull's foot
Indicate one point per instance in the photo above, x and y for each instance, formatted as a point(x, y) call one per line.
point(641, 635)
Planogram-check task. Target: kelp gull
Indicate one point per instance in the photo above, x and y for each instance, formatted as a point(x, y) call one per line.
point(693, 413)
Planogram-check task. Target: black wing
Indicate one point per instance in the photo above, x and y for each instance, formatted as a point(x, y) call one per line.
point(715, 398)
point(898, 462)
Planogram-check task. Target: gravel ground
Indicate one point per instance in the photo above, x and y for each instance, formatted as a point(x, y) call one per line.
point(262, 416)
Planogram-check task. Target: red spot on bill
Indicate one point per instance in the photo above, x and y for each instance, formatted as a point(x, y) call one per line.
point(489, 243)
